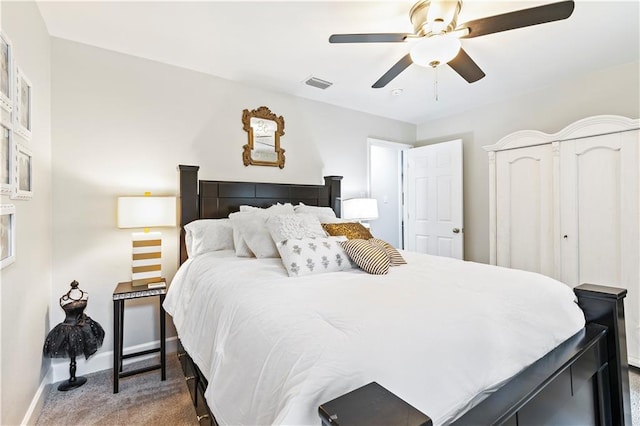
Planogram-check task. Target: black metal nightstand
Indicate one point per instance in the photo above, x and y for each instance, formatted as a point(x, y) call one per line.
point(126, 291)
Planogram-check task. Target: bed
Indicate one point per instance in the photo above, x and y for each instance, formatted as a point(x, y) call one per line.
point(258, 347)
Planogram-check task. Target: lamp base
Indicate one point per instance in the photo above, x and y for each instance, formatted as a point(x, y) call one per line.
point(147, 258)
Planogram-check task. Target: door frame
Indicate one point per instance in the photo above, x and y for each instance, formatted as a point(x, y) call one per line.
point(400, 148)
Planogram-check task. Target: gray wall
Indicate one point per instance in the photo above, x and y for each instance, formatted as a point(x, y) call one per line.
point(612, 91)
point(25, 287)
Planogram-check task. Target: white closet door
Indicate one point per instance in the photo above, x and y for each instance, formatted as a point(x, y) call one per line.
point(599, 226)
point(524, 206)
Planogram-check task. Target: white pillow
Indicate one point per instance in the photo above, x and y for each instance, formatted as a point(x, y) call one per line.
point(250, 234)
point(324, 214)
point(278, 208)
point(285, 226)
point(306, 256)
point(238, 219)
point(206, 235)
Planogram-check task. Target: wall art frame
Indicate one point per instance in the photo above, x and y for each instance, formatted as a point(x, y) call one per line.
point(22, 111)
point(7, 71)
point(23, 173)
point(7, 159)
point(7, 235)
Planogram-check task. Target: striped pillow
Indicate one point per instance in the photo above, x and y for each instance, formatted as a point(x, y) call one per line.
point(369, 257)
point(394, 255)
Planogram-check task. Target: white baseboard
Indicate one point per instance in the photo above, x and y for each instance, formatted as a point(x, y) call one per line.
point(59, 371)
point(37, 402)
point(634, 361)
point(104, 360)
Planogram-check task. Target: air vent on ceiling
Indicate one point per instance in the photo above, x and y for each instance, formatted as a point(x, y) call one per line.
point(317, 82)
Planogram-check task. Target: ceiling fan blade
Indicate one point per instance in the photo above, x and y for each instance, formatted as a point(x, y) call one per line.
point(393, 72)
point(519, 19)
point(369, 38)
point(466, 67)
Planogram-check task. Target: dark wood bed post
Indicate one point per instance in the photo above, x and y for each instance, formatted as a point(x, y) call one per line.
point(604, 305)
point(188, 204)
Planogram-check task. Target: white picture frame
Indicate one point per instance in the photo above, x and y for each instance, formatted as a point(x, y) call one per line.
point(7, 160)
point(22, 111)
point(6, 74)
point(7, 235)
point(23, 173)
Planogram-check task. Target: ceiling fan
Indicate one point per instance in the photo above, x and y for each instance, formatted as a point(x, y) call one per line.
point(435, 25)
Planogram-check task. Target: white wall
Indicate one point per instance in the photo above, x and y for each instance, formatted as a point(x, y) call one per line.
point(384, 181)
point(26, 284)
point(122, 124)
point(611, 91)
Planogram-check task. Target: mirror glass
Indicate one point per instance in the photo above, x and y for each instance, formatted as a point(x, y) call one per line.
point(264, 130)
point(264, 139)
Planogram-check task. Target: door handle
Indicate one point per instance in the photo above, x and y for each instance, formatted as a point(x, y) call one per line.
point(456, 230)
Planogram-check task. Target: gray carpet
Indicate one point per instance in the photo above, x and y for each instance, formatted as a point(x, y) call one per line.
point(634, 384)
point(142, 399)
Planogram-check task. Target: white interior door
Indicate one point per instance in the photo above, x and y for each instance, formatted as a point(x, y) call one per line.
point(433, 199)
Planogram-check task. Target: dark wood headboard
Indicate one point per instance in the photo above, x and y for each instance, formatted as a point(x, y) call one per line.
point(211, 199)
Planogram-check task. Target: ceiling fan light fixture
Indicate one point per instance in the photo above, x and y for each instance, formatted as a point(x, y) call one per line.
point(435, 50)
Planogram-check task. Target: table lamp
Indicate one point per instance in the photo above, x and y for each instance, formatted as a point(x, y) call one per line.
point(360, 209)
point(146, 212)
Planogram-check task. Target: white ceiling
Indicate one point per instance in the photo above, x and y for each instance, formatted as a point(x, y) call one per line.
point(276, 45)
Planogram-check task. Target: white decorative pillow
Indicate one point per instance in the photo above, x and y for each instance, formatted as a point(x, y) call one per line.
point(324, 214)
point(251, 236)
point(241, 247)
point(306, 256)
point(286, 226)
point(370, 257)
point(206, 235)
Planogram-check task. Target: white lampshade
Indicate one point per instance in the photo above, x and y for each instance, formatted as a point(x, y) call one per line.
point(435, 50)
point(360, 208)
point(146, 212)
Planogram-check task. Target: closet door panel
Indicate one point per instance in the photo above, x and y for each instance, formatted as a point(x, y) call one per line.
point(599, 209)
point(524, 206)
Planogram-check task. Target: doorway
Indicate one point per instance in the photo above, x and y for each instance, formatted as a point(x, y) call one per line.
point(385, 185)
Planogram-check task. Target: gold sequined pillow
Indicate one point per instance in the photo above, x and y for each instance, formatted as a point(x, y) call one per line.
point(394, 255)
point(351, 230)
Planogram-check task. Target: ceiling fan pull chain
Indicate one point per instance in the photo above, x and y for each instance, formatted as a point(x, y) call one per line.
point(435, 83)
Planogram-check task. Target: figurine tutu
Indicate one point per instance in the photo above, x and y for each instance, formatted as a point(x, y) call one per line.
point(76, 335)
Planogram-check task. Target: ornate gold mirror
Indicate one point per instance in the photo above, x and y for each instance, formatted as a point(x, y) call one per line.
point(264, 129)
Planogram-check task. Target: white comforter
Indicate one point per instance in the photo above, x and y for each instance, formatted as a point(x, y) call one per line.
point(440, 333)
